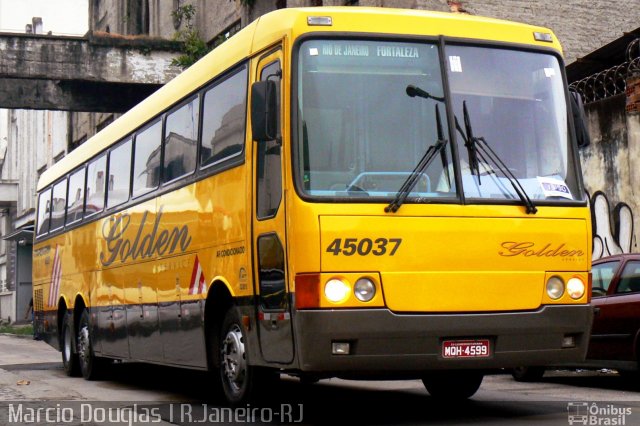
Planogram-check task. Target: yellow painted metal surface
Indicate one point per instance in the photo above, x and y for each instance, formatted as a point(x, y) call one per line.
point(147, 253)
point(439, 258)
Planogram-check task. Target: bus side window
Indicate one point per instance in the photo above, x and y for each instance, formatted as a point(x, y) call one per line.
point(44, 210)
point(119, 174)
point(75, 200)
point(224, 119)
point(95, 186)
point(269, 167)
point(58, 205)
point(146, 169)
point(180, 141)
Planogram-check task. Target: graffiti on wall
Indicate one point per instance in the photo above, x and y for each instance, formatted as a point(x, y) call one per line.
point(612, 229)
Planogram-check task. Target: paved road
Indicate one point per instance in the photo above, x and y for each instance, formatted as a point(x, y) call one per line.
point(31, 372)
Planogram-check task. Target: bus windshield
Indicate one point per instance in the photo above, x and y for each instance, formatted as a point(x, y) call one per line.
point(368, 111)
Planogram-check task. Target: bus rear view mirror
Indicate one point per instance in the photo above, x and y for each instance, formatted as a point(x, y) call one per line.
point(264, 111)
point(579, 119)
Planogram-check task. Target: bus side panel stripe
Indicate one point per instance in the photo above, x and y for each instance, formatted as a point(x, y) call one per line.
point(197, 278)
point(56, 275)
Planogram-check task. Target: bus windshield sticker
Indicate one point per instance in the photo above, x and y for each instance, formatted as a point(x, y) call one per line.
point(313, 51)
point(553, 187)
point(455, 64)
point(549, 72)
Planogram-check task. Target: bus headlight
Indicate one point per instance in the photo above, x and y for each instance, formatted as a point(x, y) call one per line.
point(555, 287)
point(364, 289)
point(575, 288)
point(336, 290)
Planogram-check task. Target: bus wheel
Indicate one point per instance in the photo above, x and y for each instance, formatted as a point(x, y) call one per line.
point(240, 381)
point(90, 365)
point(453, 384)
point(235, 373)
point(527, 374)
point(70, 359)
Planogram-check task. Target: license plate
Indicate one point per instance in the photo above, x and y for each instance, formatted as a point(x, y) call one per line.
point(466, 348)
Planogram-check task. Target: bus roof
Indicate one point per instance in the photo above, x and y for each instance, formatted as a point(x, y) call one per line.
point(289, 24)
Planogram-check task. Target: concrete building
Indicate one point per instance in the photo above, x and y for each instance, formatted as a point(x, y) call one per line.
point(580, 26)
point(31, 141)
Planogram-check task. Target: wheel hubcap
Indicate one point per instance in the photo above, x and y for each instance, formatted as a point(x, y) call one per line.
point(233, 358)
point(84, 346)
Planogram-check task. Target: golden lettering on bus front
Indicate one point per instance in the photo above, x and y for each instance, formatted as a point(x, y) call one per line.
point(530, 249)
point(144, 245)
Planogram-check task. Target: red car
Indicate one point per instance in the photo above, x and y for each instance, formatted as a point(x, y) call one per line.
point(615, 336)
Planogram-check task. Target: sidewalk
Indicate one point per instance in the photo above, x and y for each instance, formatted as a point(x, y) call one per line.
point(17, 350)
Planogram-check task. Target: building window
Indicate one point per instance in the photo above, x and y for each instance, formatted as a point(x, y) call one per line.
point(104, 123)
point(225, 34)
point(73, 145)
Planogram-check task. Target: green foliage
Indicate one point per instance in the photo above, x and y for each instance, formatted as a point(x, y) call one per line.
point(25, 330)
point(144, 50)
point(193, 46)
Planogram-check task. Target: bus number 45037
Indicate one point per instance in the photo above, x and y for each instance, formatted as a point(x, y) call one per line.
point(364, 246)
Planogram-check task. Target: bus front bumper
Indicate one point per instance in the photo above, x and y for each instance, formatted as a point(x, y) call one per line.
point(381, 341)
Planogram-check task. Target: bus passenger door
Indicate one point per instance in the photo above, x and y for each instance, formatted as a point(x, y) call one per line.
point(269, 239)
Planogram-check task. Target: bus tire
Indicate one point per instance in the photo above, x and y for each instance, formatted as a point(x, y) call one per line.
point(453, 385)
point(527, 374)
point(240, 381)
point(91, 366)
point(70, 360)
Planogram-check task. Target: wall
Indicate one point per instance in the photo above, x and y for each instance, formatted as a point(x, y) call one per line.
point(6, 307)
point(611, 176)
point(580, 26)
point(37, 140)
point(34, 141)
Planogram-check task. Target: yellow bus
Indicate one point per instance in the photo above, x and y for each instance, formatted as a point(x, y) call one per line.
point(332, 192)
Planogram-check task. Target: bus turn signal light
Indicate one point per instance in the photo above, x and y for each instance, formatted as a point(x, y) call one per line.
point(307, 291)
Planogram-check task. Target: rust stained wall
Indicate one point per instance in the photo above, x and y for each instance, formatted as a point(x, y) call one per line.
point(610, 166)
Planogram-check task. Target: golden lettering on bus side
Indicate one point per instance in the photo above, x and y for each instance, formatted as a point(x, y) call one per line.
point(143, 245)
point(529, 249)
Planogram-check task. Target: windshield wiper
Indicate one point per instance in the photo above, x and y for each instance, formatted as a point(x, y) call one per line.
point(479, 150)
point(414, 91)
point(422, 165)
point(469, 142)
